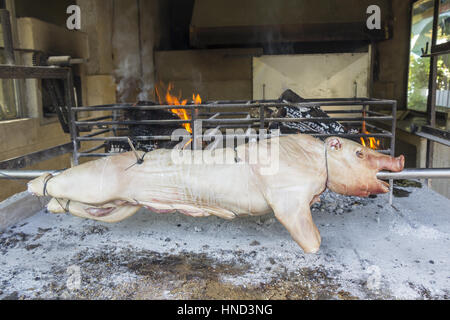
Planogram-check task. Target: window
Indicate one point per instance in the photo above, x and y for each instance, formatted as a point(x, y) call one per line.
point(8, 105)
point(443, 61)
point(444, 22)
point(9, 108)
point(419, 67)
point(443, 83)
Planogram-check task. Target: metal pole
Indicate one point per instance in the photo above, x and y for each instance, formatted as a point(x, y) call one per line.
point(431, 100)
point(261, 117)
point(70, 101)
point(392, 147)
point(421, 173)
point(430, 173)
point(25, 174)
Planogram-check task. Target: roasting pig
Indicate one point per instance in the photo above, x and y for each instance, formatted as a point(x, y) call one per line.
point(115, 187)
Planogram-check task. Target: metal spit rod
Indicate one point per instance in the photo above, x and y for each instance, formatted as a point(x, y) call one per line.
point(25, 174)
point(433, 173)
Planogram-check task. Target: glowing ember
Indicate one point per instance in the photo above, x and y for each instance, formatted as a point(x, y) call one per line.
point(170, 99)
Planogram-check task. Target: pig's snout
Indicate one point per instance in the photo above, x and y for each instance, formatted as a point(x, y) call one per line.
point(400, 163)
point(389, 163)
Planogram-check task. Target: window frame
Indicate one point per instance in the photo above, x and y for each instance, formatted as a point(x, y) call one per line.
point(435, 51)
point(18, 84)
point(408, 69)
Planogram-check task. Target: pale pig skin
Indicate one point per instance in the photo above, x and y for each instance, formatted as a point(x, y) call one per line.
point(113, 188)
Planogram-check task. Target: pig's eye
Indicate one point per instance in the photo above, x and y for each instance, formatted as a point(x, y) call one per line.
point(359, 154)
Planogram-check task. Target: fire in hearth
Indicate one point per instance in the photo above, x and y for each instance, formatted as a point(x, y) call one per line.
point(370, 142)
point(171, 99)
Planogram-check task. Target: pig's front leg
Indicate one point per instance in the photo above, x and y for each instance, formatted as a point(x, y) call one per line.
point(295, 214)
point(289, 193)
point(110, 212)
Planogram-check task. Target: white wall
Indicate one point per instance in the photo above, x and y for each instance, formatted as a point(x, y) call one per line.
point(311, 75)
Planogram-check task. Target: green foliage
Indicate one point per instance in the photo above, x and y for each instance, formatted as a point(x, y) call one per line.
point(418, 81)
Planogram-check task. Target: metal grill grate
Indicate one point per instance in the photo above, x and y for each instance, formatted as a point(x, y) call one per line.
point(232, 114)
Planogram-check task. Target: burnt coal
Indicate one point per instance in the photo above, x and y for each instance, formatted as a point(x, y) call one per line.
point(140, 130)
point(307, 127)
point(290, 111)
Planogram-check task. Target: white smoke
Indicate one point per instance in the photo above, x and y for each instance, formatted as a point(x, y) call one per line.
point(127, 74)
point(134, 59)
point(129, 77)
point(146, 82)
point(146, 91)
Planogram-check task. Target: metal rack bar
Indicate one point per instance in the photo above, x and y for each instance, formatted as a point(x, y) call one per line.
point(229, 121)
point(234, 105)
point(207, 114)
point(167, 137)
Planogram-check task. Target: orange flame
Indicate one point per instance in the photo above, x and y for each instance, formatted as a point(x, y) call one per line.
point(170, 99)
point(372, 143)
point(196, 99)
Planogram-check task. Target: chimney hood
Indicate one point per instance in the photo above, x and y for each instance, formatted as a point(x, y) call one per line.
point(252, 22)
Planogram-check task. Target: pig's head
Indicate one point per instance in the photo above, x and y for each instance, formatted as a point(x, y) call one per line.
point(352, 168)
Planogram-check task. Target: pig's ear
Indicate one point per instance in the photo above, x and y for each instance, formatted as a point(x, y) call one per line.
point(334, 143)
